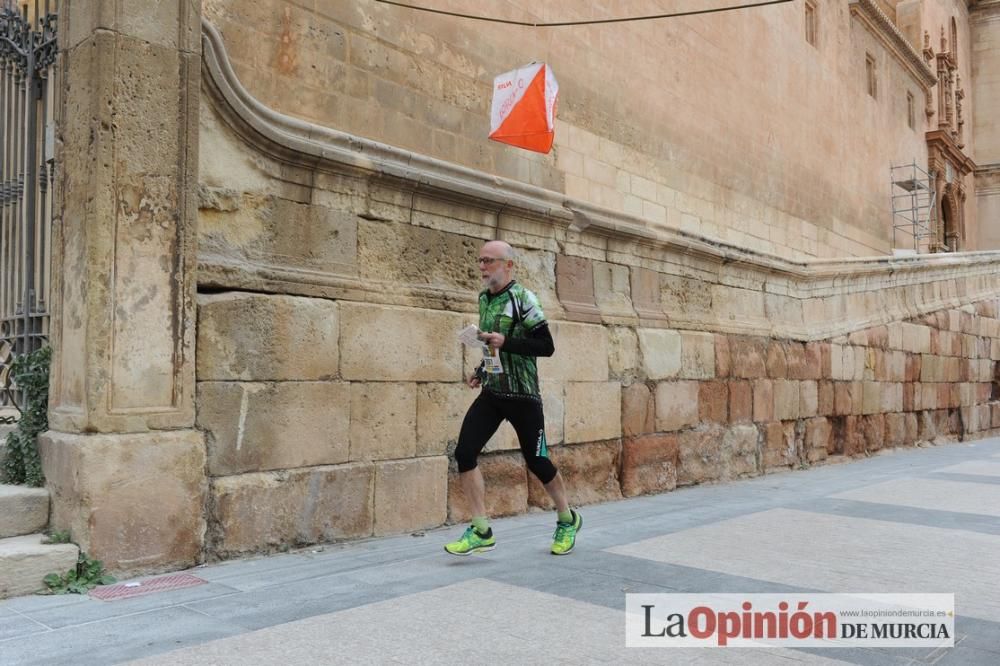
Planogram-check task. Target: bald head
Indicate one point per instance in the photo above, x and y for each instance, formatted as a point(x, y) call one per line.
point(500, 249)
point(496, 265)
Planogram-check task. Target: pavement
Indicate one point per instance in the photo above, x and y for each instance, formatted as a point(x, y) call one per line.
point(905, 521)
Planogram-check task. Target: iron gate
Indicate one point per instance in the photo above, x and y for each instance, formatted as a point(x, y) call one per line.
point(28, 50)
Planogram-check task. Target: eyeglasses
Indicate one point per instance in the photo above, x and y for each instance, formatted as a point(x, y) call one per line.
point(488, 261)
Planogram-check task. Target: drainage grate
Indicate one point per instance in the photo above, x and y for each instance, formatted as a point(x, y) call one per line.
point(141, 587)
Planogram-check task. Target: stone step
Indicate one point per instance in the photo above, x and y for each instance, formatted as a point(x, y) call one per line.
point(23, 510)
point(4, 429)
point(25, 561)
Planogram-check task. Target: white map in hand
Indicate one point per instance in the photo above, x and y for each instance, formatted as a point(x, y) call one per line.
point(470, 336)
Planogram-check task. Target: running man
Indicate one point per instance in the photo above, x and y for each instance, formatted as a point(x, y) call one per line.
point(511, 321)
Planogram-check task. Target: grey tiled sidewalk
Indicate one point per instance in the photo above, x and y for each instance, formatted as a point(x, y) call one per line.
point(911, 520)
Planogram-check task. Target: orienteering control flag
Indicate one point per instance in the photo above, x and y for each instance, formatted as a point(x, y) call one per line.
point(524, 107)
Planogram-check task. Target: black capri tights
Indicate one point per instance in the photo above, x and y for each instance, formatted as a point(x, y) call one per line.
point(484, 417)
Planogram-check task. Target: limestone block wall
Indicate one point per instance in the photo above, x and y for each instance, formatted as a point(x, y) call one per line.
point(729, 125)
point(329, 420)
point(334, 274)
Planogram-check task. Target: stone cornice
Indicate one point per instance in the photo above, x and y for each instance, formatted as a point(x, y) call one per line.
point(988, 179)
point(578, 227)
point(985, 10)
point(869, 13)
point(312, 145)
point(943, 141)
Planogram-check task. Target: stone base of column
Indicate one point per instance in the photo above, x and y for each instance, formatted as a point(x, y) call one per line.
point(135, 501)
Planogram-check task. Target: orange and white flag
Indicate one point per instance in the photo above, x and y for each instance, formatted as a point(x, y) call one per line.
point(524, 107)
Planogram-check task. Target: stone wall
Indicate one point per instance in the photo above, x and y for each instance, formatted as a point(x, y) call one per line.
point(728, 125)
point(328, 419)
point(985, 21)
point(334, 274)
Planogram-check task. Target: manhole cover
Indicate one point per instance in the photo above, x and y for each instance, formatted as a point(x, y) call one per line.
point(141, 587)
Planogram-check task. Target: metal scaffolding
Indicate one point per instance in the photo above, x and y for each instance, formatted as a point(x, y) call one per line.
point(913, 202)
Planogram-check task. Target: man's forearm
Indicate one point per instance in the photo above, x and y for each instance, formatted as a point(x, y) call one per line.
point(537, 343)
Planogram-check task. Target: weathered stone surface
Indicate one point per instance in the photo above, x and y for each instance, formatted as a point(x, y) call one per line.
point(819, 357)
point(808, 398)
point(916, 339)
point(739, 451)
point(775, 362)
point(849, 437)
point(649, 464)
point(575, 286)
point(825, 398)
point(257, 338)
point(554, 408)
point(873, 430)
point(700, 455)
point(763, 400)
point(779, 444)
point(638, 410)
point(895, 430)
point(23, 510)
point(697, 355)
point(801, 362)
point(623, 350)
point(269, 229)
point(264, 511)
point(440, 411)
point(590, 472)
point(661, 352)
point(506, 482)
point(254, 427)
point(685, 297)
point(927, 426)
point(612, 291)
point(713, 402)
point(846, 398)
point(723, 360)
point(125, 328)
point(912, 428)
point(410, 494)
point(817, 440)
point(676, 405)
point(740, 401)
point(871, 400)
point(382, 343)
point(107, 507)
point(646, 296)
point(569, 363)
point(786, 399)
point(837, 365)
point(383, 421)
point(27, 561)
point(747, 357)
point(593, 411)
point(409, 254)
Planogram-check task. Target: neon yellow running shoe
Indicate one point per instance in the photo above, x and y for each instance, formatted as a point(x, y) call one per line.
point(565, 536)
point(471, 542)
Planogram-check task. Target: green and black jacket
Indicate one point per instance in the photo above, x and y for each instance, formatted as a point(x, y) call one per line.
point(515, 312)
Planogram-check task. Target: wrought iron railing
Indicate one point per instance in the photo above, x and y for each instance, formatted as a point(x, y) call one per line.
point(28, 49)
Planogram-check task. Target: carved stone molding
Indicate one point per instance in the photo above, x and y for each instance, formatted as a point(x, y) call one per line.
point(873, 18)
point(876, 289)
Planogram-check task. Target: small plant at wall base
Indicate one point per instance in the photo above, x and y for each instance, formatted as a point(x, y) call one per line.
point(87, 575)
point(31, 374)
point(57, 536)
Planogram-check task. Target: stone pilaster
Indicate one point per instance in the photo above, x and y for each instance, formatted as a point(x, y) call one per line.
point(984, 23)
point(123, 320)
